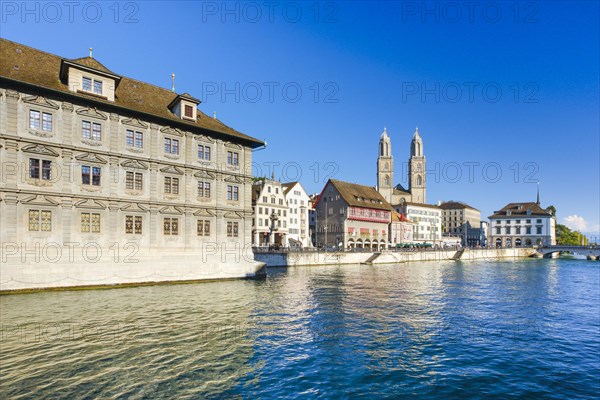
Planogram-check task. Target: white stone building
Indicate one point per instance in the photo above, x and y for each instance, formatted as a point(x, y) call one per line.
point(298, 222)
point(270, 224)
point(427, 219)
point(522, 225)
point(109, 180)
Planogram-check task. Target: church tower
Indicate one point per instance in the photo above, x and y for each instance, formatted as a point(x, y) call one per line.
point(385, 167)
point(416, 169)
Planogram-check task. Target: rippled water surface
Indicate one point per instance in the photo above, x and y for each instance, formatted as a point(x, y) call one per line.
point(438, 330)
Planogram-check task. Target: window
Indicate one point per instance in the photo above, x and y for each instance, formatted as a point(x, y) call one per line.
point(539, 221)
point(171, 146)
point(34, 169)
point(91, 85)
point(40, 220)
point(264, 199)
point(508, 230)
point(97, 87)
point(188, 111)
point(171, 226)
point(232, 229)
point(527, 221)
point(93, 172)
point(203, 189)
point(538, 230)
point(528, 230)
point(171, 185)
point(91, 131)
point(134, 139)
point(232, 193)
point(260, 210)
point(133, 224)
point(203, 152)
point(232, 158)
point(133, 180)
point(518, 230)
point(203, 227)
point(90, 222)
point(86, 84)
point(46, 120)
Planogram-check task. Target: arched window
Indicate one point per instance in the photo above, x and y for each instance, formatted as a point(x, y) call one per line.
point(386, 167)
point(387, 149)
point(386, 180)
point(419, 149)
point(419, 180)
point(381, 149)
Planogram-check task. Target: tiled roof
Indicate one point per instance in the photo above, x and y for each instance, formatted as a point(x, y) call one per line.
point(90, 63)
point(288, 186)
point(455, 205)
point(361, 196)
point(520, 210)
point(26, 65)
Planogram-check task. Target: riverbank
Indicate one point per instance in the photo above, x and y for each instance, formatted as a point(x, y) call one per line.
point(310, 258)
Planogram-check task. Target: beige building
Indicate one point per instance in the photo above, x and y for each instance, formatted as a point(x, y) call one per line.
point(463, 220)
point(352, 216)
point(107, 179)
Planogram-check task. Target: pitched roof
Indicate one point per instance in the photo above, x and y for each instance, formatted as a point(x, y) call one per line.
point(360, 196)
point(21, 64)
point(520, 210)
point(91, 62)
point(454, 205)
point(288, 186)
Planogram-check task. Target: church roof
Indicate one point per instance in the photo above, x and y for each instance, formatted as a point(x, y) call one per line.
point(520, 210)
point(360, 196)
point(22, 65)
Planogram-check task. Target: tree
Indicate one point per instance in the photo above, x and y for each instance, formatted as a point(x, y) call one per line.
point(567, 237)
point(551, 210)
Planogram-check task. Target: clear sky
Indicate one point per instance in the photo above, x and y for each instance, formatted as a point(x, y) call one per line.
point(504, 93)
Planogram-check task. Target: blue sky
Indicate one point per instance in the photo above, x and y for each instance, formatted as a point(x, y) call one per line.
point(503, 93)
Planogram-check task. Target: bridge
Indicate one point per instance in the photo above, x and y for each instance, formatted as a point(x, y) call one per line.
point(591, 252)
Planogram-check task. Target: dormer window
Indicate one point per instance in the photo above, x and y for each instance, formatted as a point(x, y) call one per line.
point(185, 106)
point(91, 85)
point(189, 111)
point(87, 76)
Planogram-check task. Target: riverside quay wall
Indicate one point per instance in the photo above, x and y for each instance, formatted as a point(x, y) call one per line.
point(54, 267)
point(307, 258)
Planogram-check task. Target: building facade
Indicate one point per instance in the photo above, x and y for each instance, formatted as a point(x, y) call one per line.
point(298, 220)
point(461, 219)
point(427, 220)
point(270, 226)
point(401, 230)
point(522, 225)
point(416, 192)
point(352, 216)
point(110, 180)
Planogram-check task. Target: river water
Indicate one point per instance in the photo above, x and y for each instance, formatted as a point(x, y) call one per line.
point(528, 328)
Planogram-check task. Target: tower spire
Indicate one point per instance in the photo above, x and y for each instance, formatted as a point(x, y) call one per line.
point(538, 193)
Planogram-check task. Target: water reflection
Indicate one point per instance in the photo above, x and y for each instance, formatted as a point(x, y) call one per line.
point(424, 329)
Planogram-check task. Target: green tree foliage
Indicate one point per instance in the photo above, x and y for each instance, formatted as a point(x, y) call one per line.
point(567, 237)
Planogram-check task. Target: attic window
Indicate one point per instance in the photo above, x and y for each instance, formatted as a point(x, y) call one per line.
point(188, 111)
point(91, 85)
